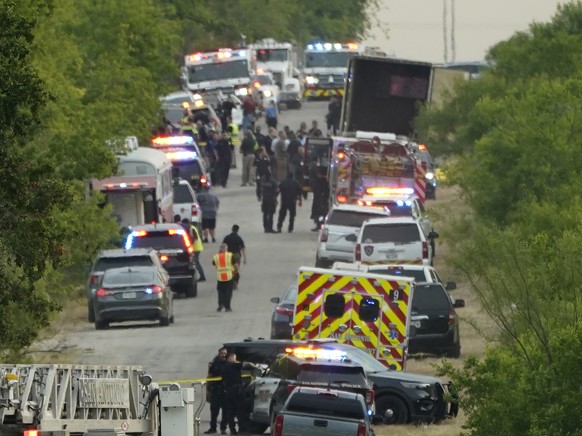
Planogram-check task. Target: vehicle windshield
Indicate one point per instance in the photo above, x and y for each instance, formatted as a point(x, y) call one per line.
point(263, 79)
point(328, 59)
point(182, 194)
point(430, 297)
point(187, 170)
point(173, 115)
point(291, 295)
point(350, 218)
point(272, 55)
point(114, 278)
point(158, 241)
point(106, 263)
point(218, 71)
point(177, 99)
point(396, 233)
point(337, 375)
point(363, 359)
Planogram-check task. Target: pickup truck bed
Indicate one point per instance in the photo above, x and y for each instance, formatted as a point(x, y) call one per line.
point(312, 411)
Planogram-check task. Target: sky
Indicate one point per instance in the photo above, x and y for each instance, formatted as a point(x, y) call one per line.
point(415, 27)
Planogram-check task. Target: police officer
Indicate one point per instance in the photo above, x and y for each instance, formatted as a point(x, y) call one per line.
point(262, 165)
point(269, 191)
point(186, 124)
point(215, 393)
point(232, 130)
point(198, 248)
point(290, 196)
point(225, 270)
point(234, 393)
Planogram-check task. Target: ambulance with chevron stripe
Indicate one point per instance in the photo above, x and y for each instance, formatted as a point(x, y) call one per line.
point(368, 311)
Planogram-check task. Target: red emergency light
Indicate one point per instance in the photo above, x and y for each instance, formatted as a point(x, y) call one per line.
point(421, 147)
point(30, 432)
point(387, 192)
point(341, 155)
point(342, 199)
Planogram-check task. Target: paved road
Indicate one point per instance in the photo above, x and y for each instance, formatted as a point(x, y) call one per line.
point(183, 350)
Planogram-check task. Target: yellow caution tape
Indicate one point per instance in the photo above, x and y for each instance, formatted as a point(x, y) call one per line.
point(199, 380)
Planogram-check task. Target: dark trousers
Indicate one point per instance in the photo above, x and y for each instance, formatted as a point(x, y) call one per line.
point(292, 208)
point(223, 171)
point(199, 265)
point(225, 293)
point(271, 122)
point(217, 403)
point(234, 406)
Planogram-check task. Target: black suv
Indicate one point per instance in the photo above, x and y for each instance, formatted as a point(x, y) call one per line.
point(303, 367)
point(175, 249)
point(434, 320)
point(400, 397)
point(117, 258)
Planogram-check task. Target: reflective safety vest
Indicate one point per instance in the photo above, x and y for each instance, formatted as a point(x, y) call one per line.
point(234, 134)
point(186, 124)
point(198, 246)
point(224, 267)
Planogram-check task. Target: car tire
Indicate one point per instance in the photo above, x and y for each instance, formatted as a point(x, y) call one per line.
point(392, 409)
point(164, 321)
point(101, 324)
point(257, 427)
point(192, 290)
point(90, 312)
point(455, 351)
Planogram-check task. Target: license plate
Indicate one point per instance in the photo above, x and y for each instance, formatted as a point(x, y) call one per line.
point(129, 295)
point(391, 255)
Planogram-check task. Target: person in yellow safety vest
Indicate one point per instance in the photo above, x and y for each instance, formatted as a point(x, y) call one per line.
point(232, 130)
point(187, 124)
point(225, 270)
point(198, 248)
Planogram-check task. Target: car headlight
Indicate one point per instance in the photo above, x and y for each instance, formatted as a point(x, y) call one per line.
point(429, 176)
point(267, 93)
point(311, 80)
point(241, 91)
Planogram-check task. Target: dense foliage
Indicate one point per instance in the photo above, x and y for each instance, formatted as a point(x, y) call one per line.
point(515, 138)
point(78, 73)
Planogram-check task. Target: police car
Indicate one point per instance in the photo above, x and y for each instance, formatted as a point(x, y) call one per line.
point(304, 366)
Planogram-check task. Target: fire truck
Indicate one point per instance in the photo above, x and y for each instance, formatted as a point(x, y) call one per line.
point(368, 311)
point(224, 70)
point(95, 400)
point(325, 68)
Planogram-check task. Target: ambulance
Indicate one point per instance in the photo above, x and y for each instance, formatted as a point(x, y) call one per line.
point(369, 311)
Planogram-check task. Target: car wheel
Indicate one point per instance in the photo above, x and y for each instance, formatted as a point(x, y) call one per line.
point(257, 427)
point(90, 312)
point(192, 290)
point(101, 324)
point(455, 351)
point(392, 409)
point(164, 321)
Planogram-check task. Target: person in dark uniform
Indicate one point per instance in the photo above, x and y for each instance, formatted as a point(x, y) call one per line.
point(269, 190)
point(234, 393)
point(320, 206)
point(236, 246)
point(215, 393)
point(290, 196)
point(315, 189)
point(262, 165)
point(224, 150)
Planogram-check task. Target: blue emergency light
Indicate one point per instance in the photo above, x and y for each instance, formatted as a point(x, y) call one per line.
point(164, 141)
point(181, 155)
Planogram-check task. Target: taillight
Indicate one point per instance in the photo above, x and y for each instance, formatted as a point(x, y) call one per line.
point(323, 235)
point(342, 199)
point(452, 317)
point(425, 250)
point(290, 388)
point(164, 258)
point(361, 429)
point(194, 210)
point(278, 430)
point(101, 292)
point(155, 289)
point(283, 310)
point(370, 397)
point(203, 180)
point(358, 252)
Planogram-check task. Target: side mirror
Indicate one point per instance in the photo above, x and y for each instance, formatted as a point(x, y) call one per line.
point(275, 300)
point(433, 235)
point(459, 303)
point(377, 419)
point(451, 286)
point(351, 237)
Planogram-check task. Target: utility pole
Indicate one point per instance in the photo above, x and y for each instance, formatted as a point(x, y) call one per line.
point(449, 39)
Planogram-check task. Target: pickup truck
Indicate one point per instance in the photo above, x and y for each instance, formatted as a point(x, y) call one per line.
point(313, 411)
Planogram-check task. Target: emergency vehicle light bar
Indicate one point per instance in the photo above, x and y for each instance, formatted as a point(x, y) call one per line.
point(172, 140)
point(321, 46)
point(317, 353)
point(385, 192)
point(221, 54)
point(125, 185)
